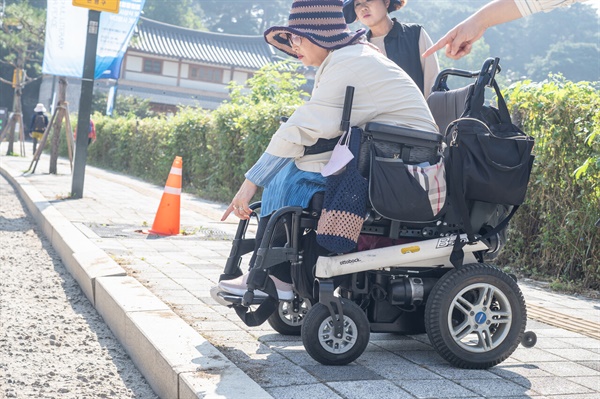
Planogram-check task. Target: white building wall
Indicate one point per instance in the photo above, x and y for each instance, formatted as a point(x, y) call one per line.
point(170, 68)
point(185, 70)
point(134, 63)
point(240, 77)
point(206, 86)
point(150, 78)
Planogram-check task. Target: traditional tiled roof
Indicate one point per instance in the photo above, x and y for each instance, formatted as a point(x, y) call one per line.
point(158, 38)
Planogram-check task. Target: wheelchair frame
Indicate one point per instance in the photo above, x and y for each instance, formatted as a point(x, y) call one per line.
point(404, 276)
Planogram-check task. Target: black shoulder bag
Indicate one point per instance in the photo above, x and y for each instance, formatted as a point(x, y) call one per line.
point(489, 160)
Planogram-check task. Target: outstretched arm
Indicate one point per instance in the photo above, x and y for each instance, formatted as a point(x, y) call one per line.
point(459, 40)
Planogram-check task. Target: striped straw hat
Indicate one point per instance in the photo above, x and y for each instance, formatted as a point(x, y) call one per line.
point(320, 21)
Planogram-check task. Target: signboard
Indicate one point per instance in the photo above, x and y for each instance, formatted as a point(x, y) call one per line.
point(66, 32)
point(99, 5)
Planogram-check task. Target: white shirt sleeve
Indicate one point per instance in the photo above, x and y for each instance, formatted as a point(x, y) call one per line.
point(528, 7)
point(430, 65)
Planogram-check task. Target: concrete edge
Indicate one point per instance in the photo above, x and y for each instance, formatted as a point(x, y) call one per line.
point(175, 359)
point(84, 260)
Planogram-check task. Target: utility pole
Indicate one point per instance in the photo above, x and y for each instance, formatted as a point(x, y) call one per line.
point(85, 104)
point(87, 87)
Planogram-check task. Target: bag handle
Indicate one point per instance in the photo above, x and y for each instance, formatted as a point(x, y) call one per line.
point(502, 108)
point(353, 140)
point(478, 98)
point(347, 110)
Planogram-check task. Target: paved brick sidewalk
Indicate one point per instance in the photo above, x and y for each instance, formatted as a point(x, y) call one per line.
point(180, 270)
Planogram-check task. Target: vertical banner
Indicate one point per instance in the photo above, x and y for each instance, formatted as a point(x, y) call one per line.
point(110, 100)
point(115, 32)
point(66, 33)
point(66, 28)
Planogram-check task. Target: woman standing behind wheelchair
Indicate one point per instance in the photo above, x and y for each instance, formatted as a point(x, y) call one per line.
point(402, 43)
point(318, 36)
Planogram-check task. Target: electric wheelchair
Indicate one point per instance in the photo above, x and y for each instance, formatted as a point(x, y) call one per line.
point(473, 313)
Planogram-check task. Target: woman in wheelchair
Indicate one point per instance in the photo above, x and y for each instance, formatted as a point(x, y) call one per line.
point(318, 36)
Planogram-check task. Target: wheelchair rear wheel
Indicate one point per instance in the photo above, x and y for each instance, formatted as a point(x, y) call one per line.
point(288, 318)
point(323, 346)
point(475, 316)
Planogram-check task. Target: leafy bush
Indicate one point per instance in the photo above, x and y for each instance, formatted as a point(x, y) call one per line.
point(553, 234)
point(217, 147)
point(242, 128)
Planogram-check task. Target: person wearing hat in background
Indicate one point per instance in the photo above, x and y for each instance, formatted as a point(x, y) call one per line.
point(39, 122)
point(318, 36)
point(459, 40)
point(402, 43)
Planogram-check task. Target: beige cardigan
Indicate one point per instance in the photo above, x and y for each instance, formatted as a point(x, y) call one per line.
point(383, 93)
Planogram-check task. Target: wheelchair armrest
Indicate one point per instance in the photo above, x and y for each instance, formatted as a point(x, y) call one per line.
point(403, 135)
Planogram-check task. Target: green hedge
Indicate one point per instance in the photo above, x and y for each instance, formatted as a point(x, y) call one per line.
point(553, 233)
point(217, 147)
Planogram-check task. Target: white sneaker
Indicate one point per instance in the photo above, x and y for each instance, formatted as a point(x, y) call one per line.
point(239, 286)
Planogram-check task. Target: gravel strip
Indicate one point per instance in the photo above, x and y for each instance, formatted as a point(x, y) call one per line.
point(53, 343)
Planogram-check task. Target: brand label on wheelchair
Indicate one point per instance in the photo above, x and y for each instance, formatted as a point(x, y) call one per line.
point(349, 261)
point(448, 241)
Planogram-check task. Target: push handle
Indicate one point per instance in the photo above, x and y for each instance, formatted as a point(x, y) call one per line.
point(345, 125)
point(490, 67)
point(488, 71)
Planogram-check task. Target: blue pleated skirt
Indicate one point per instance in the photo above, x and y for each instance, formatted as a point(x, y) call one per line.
point(291, 187)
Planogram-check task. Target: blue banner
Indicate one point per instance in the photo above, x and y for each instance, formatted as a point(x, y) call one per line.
point(66, 35)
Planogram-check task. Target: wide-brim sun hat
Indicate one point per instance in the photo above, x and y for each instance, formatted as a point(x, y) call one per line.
point(350, 14)
point(320, 21)
point(39, 108)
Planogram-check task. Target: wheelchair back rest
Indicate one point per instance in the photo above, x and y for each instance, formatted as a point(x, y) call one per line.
point(447, 106)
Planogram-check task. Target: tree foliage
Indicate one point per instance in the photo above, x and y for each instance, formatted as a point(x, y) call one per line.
point(186, 13)
point(278, 83)
point(244, 17)
point(563, 41)
point(22, 27)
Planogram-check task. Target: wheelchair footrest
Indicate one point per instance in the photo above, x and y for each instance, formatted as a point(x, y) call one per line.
point(227, 299)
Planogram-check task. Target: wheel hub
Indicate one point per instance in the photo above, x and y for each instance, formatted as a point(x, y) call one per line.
point(480, 317)
point(334, 344)
point(293, 313)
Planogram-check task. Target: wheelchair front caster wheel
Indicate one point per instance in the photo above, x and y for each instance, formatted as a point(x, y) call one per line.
point(318, 334)
point(288, 318)
point(529, 339)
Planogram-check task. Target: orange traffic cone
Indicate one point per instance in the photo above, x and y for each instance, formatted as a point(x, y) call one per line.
point(166, 221)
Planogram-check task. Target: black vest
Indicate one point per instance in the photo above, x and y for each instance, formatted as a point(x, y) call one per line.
point(402, 47)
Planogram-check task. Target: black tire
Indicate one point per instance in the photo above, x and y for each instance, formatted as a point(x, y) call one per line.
point(289, 316)
point(461, 323)
point(318, 340)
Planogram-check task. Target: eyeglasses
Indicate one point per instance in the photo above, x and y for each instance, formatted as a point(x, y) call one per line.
point(294, 40)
